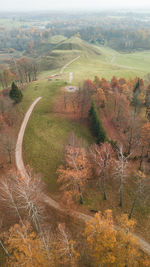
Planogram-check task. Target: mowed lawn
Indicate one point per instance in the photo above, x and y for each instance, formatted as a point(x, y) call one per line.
point(47, 133)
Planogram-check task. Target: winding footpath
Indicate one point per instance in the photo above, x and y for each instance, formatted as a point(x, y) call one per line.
point(69, 63)
point(145, 246)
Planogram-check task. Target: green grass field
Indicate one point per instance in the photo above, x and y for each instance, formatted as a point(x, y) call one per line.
point(96, 60)
point(110, 63)
point(47, 132)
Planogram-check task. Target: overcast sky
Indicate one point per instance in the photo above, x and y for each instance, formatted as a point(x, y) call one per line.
point(25, 5)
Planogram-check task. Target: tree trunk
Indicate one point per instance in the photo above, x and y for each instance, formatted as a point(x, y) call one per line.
point(5, 250)
point(105, 195)
point(132, 208)
point(141, 160)
point(81, 197)
point(121, 199)
point(9, 154)
point(130, 142)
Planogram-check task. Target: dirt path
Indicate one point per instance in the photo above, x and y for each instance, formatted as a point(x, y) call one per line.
point(69, 63)
point(145, 246)
point(18, 151)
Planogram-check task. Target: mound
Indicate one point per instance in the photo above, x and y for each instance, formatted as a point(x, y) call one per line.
point(65, 51)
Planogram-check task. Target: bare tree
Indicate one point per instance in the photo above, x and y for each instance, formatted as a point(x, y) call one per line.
point(2, 244)
point(5, 104)
point(133, 133)
point(66, 248)
point(142, 183)
point(30, 194)
point(102, 157)
point(24, 195)
point(8, 197)
point(121, 170)
point(8, 143)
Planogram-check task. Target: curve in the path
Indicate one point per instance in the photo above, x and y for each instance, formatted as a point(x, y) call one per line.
point(18, 151)
point(69, 63)
point(145, 246)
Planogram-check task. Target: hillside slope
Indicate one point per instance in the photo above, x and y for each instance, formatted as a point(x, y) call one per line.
point(66, 51)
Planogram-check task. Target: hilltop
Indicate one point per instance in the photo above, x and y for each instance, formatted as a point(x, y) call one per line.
point(65, 51)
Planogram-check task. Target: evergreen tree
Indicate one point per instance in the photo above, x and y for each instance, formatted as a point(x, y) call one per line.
point(96, 124)
point(15, 93)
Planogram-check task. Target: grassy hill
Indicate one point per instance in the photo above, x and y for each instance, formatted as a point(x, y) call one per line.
point(110, 63)
point(75, 43)
point(94, 60)
point(50, 44)
point(66, 51)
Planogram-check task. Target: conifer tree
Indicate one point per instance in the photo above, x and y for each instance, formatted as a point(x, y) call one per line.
point(96, 124)
point(15, 93)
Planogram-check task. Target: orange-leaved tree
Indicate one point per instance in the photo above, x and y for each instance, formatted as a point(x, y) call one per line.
point(100, 98)
point(25, 247)
point(73, 176)
point(112, 246)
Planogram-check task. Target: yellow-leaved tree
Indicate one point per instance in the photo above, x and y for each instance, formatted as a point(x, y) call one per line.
point(25, 248)
point(112, 246)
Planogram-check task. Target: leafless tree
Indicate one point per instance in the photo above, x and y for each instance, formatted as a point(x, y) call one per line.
point(102, 157)
point(1, 243)
point(142, 183)
point(5, 105)
point(8, 197)
point(8, 143)
point(24, 195)
point(133, 133)
point(121, 170)
point(66, 253)
point(30, 194)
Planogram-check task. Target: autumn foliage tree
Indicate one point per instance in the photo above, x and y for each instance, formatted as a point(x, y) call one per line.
point(25, 247)
point(73, 176)
point(109, 246)
point(100, 98)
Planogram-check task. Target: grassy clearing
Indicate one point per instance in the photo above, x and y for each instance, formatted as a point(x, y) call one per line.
point(47, 132)
point(110, 63)
point(96, 60)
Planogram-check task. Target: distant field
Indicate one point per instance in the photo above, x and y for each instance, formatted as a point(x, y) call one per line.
point(47, 132)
